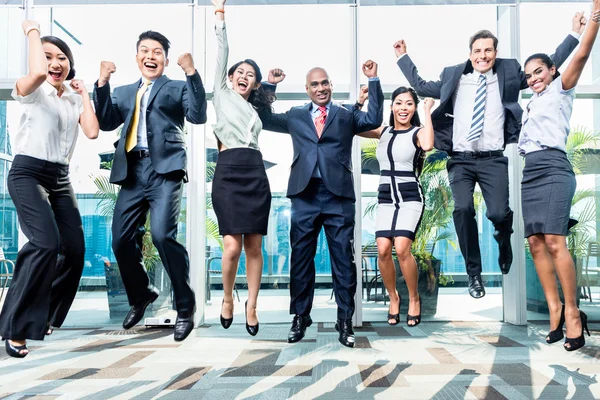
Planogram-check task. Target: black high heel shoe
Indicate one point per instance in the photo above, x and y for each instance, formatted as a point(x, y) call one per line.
point(252, 329)
point(395, 317)
point(225, 322)
point(415, 318)
point(578, 342)
point(15, 351)
point(557, 334)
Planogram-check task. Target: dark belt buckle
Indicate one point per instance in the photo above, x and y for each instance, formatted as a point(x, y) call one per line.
point(482, 154)
point(139, 154)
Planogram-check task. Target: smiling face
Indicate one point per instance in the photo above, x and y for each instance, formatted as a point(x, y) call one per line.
point(403, 108)
point(243, 80)
point(151, 59)
point(58, 65)
point(318, 86)
point(538, 75)
point(483, 55)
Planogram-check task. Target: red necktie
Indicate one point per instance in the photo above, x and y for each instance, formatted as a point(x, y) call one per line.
point(320, 121)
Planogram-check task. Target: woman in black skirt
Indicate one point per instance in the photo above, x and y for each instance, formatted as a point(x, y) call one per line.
point(548, 184)
point(241, 194)
point(44, 284)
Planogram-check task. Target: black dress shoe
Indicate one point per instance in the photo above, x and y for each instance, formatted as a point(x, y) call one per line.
point(225, 322)
point(252, 329)
point(505, 256)
point(299, 325)
point(15, 351)
point(476, 289)
point(344, 327)
point(183, 326)
point(136, 313)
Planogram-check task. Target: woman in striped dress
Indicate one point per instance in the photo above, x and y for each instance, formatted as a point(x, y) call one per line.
point(400, 152)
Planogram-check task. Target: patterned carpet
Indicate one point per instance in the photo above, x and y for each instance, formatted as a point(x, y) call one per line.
point(434, 360)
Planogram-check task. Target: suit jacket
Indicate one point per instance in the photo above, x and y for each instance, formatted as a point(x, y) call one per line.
point(169, 104)
point(333, 151)
point(511, 80)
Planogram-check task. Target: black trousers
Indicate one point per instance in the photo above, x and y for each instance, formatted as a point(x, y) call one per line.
point(490, 170)
point(314, 208)
point(44, 284)
point(147, 191)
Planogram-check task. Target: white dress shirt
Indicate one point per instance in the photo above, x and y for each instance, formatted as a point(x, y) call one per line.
point(142, 132)
point(492, 137)
point(49, 124)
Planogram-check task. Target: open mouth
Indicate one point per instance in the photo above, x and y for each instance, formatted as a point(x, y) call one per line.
point(403, 115)
point(243, 84)
point(150, 65)
point(537, 85)
point(55, 74)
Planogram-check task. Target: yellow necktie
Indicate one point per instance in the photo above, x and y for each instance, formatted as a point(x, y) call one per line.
point(131, 140)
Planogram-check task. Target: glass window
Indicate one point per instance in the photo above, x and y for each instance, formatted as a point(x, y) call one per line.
point(11, 41)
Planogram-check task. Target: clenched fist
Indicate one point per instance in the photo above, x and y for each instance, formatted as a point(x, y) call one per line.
point(275, 76)
point(400, 48)
point(29, 25)
point(186, 62)
point(428, 103)
point(370, 69)
point(107, 68)
point(79, 87)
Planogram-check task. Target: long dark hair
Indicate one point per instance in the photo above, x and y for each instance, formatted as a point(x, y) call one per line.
point(62, 46)
point(414, 121)
point(260, 98)
point(546, 60)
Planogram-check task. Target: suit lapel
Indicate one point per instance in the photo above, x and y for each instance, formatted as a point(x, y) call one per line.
point(131, 96)
point(308, 120)
point(333, 109)
point(500, 75)
point(156, 87)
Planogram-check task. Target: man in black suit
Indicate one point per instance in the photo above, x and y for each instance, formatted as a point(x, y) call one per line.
point(478, 116)
point(149, 164)
point(321, 188)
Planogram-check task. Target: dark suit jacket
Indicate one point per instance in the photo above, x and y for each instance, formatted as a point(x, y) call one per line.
point(169, 104)
point(333, 151)
point(511, 80)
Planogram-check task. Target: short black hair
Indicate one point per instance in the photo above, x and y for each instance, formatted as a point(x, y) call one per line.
point(62, 46)
point(153, 35)
point(483, 34)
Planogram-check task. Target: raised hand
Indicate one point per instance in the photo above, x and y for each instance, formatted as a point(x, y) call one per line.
point(29, 25)
point(275, 76)
point(428, 104)
point(579, 22)
point(107, 68)
point(186, 62)
point(79, 87)
point(363, 94)
point(370, 69)
point(400, 48)
point(218, 4)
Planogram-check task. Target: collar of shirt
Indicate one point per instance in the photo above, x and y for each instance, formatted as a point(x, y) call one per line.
point(315, 109)
point(142, 80)
point(49, 90)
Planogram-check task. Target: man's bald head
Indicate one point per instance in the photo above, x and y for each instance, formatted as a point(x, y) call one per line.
point(318, 86)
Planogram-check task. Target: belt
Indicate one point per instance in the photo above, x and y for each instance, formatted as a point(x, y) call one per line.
point(138, 154)
point(477, 154)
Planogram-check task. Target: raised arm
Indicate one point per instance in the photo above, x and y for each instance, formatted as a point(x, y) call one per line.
point(372, 134)
point(107, 110)
point(272, 121)
point(425, 135)
point(573, 71)
point(408, 68)
point(38, 66)
point(373, 118)
point(222, 47)
point(194, 95)
point(87, 117)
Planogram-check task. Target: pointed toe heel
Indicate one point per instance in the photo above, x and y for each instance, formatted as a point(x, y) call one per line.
point(252, 329)
point(225, 322)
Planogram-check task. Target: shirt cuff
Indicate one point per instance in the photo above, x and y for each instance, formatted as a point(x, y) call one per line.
point(401, 55)
point(220, 23)
point(374, 79)
point(575, 35)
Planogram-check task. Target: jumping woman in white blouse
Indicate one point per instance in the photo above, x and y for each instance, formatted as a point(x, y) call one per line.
point(548, 184)
point(50, 264)
point(241, 193)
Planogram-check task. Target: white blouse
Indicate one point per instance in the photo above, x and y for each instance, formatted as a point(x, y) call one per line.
point(49, 124)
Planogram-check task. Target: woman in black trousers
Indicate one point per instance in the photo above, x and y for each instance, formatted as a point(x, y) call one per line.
point(49, 265)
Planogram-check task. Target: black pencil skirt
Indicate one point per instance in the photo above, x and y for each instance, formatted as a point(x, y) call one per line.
point(241, 194)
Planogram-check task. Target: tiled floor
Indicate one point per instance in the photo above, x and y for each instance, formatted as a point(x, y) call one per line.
point(441, 360)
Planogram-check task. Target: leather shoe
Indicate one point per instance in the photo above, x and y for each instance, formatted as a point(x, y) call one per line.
point(476, 289)
point(136, 313)
point(299, 325)
point(183, 326)
point(344, 327)
point(505, 249)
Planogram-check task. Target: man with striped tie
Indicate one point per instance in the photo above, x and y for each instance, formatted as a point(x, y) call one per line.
point(478, 116)
point(150, 165)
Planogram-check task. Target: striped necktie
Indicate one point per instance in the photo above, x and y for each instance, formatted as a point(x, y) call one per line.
point(320, 121)
point(478, 111)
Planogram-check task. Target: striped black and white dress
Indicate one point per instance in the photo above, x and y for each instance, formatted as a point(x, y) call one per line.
point(400, 197)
